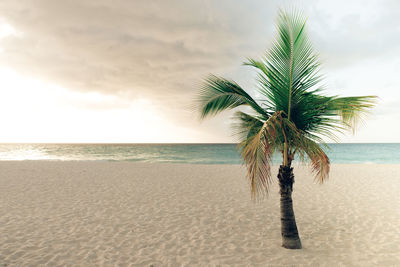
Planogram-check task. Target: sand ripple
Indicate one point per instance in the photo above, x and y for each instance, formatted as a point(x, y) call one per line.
point(131, 214)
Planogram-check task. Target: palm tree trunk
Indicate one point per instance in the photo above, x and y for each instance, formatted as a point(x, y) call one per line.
point(290, 235)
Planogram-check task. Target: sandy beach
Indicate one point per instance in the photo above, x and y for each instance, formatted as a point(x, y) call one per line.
point(142, 214)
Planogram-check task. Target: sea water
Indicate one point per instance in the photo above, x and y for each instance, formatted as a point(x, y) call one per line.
point(384, 153)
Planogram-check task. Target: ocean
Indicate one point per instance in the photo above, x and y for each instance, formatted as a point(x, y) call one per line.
point(384, 153)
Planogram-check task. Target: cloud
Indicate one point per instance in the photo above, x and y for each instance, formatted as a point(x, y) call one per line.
point(161, 50)
point(131, 47)
point(347, 32)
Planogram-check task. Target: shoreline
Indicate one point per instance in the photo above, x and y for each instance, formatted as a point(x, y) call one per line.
point(297, 164)
point(187, 153)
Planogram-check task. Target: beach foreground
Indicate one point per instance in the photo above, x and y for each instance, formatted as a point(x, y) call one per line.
point(142, 214)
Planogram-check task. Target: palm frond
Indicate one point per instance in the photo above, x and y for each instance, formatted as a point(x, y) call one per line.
point(219, 94)
point(318, 159)
point(306, 146)
point(257, 150)
point(246, 125)
point(290, 68)
point(352, 109)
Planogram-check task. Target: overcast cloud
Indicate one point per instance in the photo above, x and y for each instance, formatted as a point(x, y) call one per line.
point(160, 50)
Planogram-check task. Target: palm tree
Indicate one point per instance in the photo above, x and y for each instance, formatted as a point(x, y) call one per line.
point(291, 117)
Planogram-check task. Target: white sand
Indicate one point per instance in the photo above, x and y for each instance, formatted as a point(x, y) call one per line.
point(136, 214)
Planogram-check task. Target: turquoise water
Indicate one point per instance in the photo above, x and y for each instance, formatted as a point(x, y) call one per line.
point(184, 153)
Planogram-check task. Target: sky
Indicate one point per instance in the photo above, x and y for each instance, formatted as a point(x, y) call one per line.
point(97, 71)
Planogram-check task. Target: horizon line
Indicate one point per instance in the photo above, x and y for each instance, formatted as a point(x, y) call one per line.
point(166, 143)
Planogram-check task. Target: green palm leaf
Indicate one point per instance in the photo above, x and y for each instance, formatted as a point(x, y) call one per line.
point(219, 94)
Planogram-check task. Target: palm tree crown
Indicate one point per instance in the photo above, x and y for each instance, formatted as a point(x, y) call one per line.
point(293, 115)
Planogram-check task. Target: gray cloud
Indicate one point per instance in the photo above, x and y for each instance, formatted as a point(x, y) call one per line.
point(347, 32)
point(162, 49)
point(134, 47)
